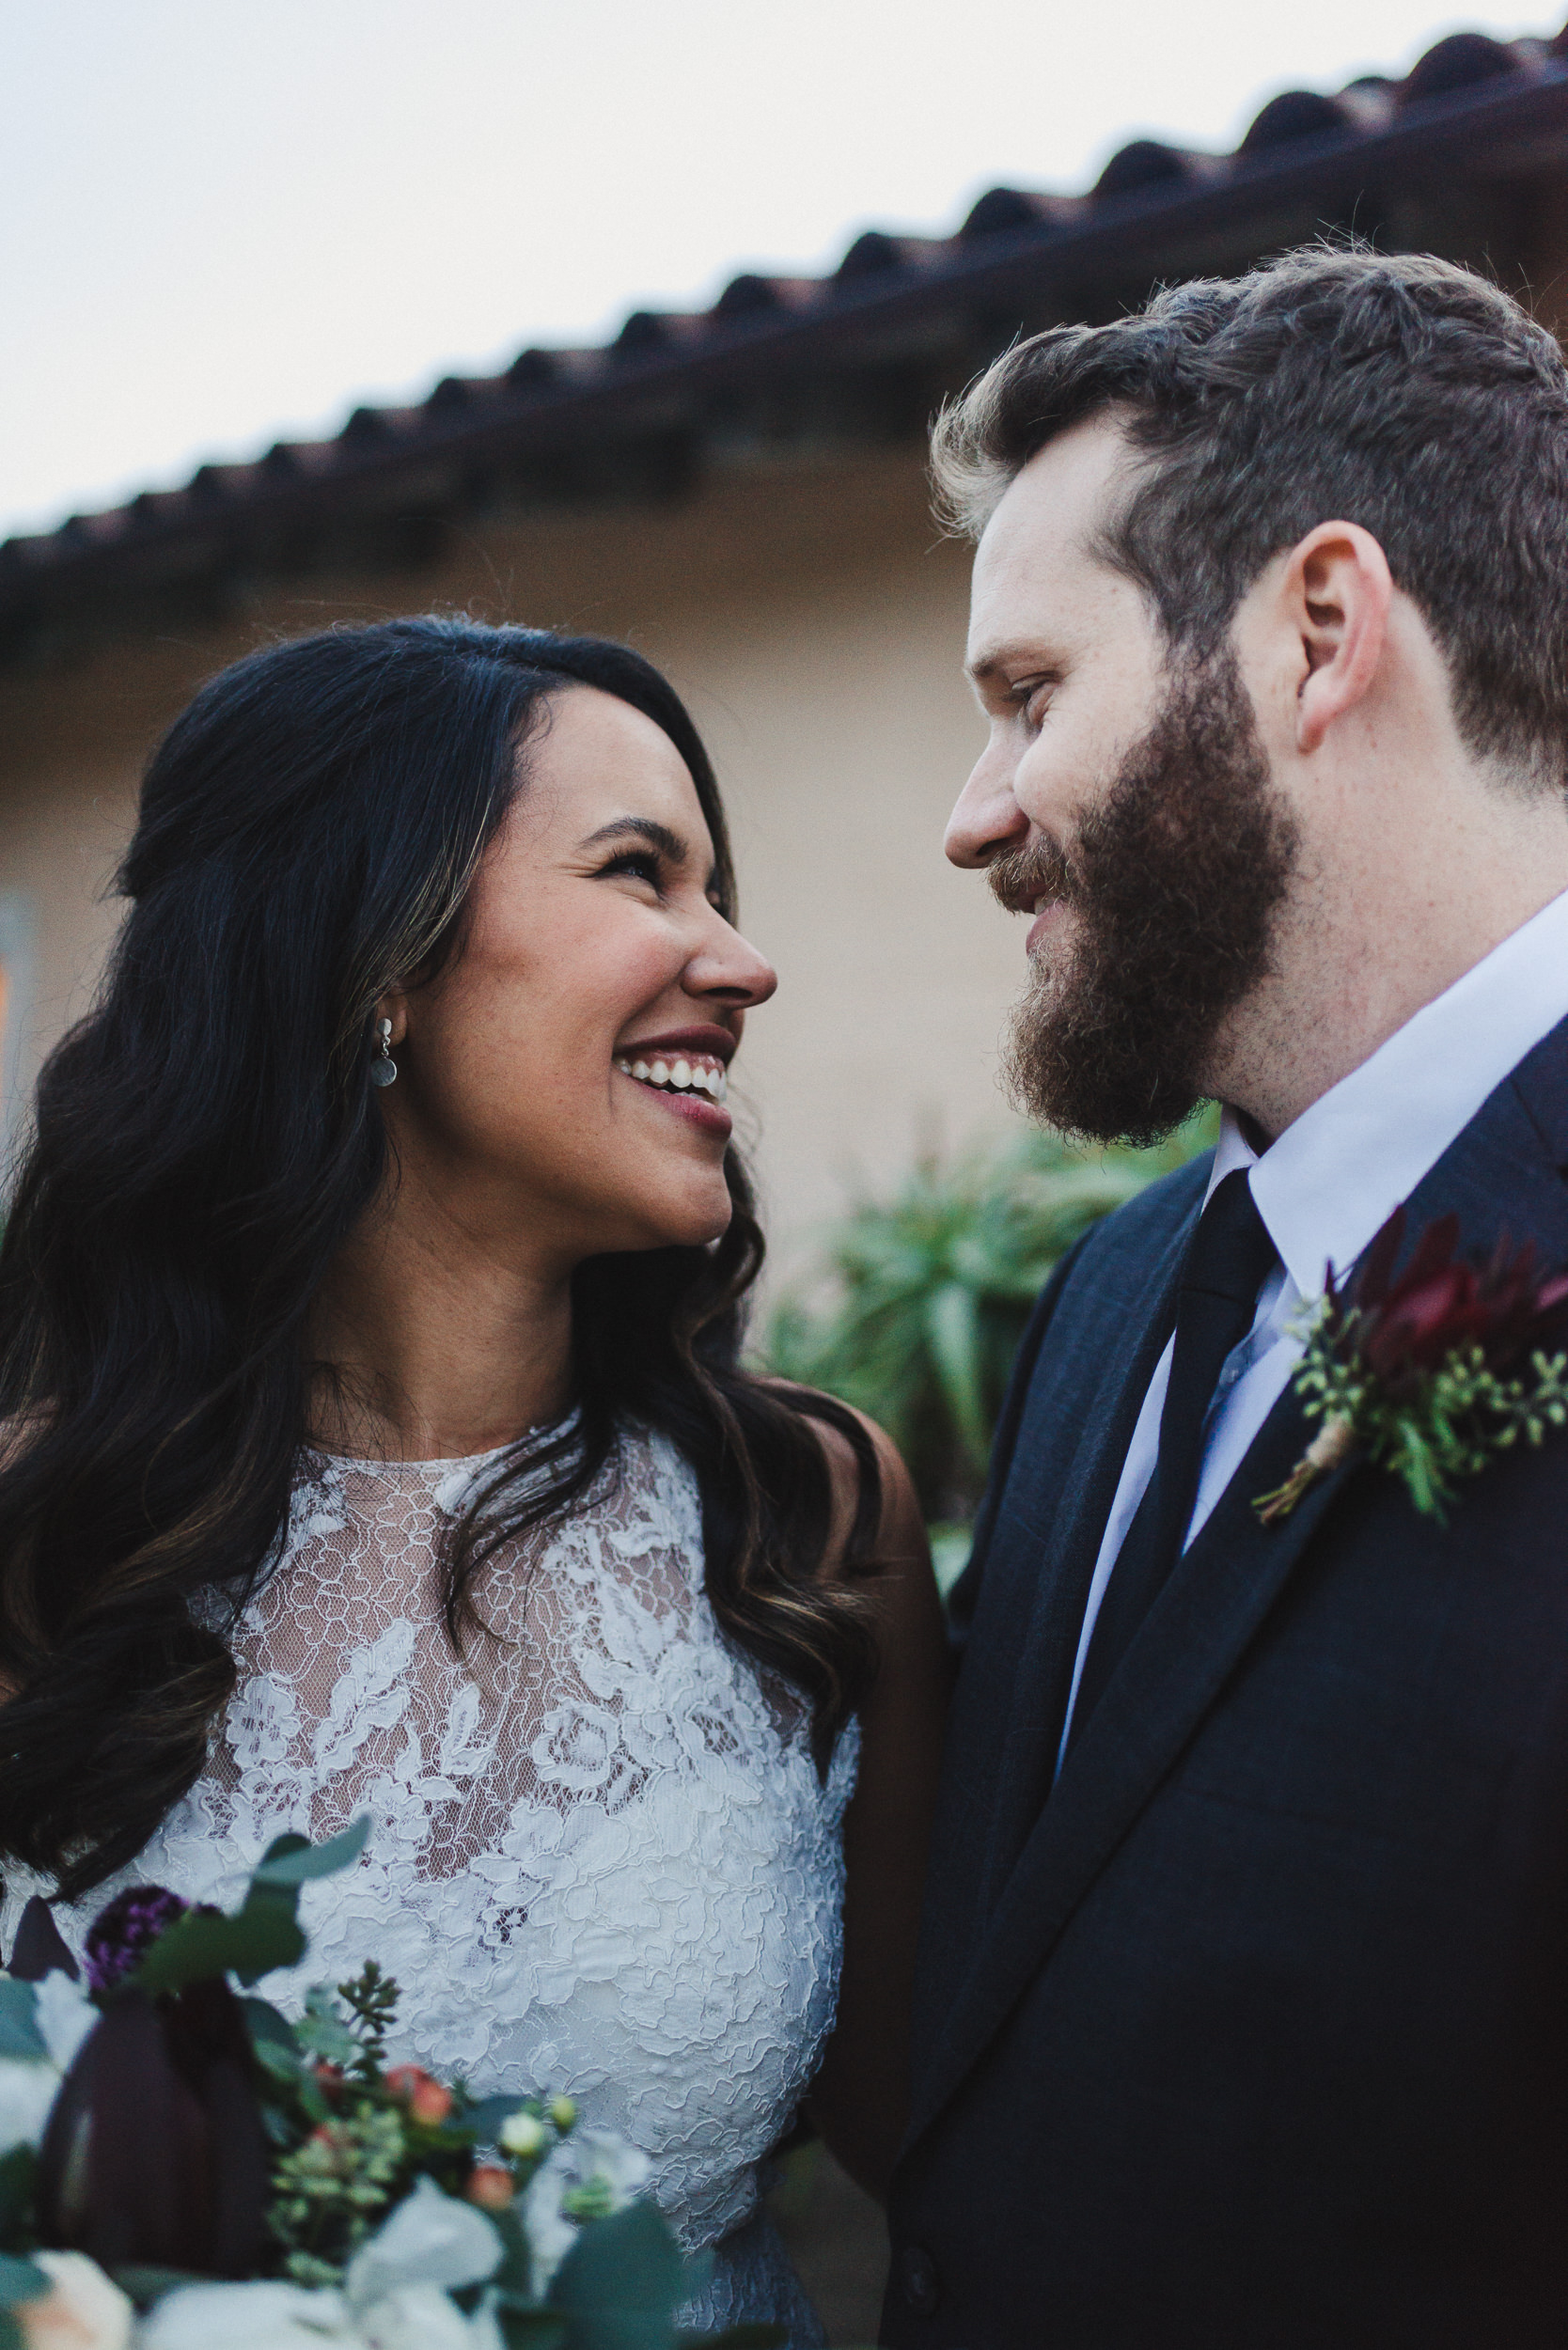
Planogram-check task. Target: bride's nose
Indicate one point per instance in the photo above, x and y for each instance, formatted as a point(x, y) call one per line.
point(728, 966)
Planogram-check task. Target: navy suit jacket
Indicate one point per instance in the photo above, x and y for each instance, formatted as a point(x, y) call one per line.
point(1253, 2033)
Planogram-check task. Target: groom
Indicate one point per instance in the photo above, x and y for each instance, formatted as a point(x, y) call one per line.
point(1242, 2012)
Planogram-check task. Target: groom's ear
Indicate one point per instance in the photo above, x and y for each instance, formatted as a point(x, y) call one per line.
point(1337, 589)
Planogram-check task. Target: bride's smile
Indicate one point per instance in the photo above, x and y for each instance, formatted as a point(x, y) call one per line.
point(566, 1072)
point(375, 1297)
point(693, 1061)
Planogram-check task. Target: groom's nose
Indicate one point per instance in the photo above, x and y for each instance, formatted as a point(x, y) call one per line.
point(987, 818)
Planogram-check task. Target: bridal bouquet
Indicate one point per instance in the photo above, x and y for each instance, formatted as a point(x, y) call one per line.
point(182, 2167)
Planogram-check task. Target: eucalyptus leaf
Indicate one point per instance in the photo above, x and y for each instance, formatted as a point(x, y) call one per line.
point(293, 1860)
point(18, 2175)
point(620, 2283)
point(313, 2100)
point(736, 2338)
point(143, 2283)
point(21, 2280)
point(322, 2031)
point(270, 2030)
point(277, 2064)
point(532, 2329)
point(513, 2280)
point(263, 1933)
point(198, 1947)
point(20, 2035)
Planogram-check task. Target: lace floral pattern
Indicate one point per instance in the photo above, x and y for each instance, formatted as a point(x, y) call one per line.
point(602, 1858)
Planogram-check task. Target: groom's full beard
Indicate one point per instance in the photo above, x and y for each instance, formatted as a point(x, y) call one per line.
point(1174, 881)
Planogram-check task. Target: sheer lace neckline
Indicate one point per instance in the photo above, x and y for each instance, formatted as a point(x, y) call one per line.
point(373, 1464)
point(601, 1862)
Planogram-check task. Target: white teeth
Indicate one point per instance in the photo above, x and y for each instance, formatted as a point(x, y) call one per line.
point(682, 1077)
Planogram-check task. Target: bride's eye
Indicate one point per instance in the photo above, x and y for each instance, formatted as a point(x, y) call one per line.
point(642, 864)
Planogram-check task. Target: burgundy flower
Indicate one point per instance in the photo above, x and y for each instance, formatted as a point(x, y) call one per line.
point(1404, 1330)
point(155, 2151)
point(1374, 1360)
point(121, 1935)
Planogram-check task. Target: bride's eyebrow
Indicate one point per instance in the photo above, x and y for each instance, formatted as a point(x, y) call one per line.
point(670, 844)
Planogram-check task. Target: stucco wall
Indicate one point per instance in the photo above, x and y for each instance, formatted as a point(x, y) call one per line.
point(815, 622)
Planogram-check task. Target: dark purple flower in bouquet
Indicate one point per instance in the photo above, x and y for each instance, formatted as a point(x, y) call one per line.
point(121, 1935)
point(154, 2152)
point(1404, 1330)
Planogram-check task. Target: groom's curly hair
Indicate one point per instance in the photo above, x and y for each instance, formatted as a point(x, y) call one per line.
point(1400, 392)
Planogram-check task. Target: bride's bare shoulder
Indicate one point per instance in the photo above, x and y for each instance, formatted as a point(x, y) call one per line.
point(900, 1533)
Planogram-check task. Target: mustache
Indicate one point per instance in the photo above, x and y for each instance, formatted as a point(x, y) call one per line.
point(1018, 877)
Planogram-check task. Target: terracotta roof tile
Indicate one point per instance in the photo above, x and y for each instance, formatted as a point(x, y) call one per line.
point(1153, 203)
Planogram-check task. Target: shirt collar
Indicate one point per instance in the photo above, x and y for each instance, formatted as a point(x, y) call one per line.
point(1333, 1178)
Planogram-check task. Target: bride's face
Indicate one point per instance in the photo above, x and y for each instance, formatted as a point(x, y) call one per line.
point(564, 1078)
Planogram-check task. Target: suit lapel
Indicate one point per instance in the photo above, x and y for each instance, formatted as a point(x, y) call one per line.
point(1503, 1168)
point(1173, 1671)
point(1045, 1667)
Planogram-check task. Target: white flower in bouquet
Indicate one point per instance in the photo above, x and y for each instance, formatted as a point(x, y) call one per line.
point(27, 2086)
point(63, 2015)
point(262, 2316)
point(422, 2317)
point(431, 2239)
point(523, 2134)
point(589, 2175)
point(276, 2316)
point(82, 2309)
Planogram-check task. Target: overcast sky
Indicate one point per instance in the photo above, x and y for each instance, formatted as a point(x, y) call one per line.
point(224, 221)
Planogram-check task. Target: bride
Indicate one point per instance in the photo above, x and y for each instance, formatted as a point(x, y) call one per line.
point(370, 1310)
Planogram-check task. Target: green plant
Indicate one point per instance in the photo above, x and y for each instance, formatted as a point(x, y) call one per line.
point(915, 1308)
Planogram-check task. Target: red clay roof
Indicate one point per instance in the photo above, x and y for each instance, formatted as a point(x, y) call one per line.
point(1472, 106)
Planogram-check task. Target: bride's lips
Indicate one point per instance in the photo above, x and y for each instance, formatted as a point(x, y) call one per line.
point(704, 1052)
point(708, 1115)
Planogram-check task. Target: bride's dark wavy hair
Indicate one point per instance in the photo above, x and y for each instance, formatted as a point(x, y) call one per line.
point(206, 1137)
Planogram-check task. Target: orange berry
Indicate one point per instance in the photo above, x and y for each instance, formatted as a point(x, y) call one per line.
point(427, 2099)
point(431, 2102)
point(489, 2186)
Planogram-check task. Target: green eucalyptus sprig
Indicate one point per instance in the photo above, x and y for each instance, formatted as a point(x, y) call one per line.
point(1431, 1376)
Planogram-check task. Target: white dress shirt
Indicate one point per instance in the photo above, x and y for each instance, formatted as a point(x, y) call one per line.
point(1329, 1184)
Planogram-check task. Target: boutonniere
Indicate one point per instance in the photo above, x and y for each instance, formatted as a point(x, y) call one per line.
point(1433, 1374)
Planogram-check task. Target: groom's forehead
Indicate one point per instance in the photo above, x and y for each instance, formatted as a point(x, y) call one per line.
point(1038, 556)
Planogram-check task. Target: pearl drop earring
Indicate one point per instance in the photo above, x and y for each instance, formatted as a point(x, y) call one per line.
point(384, 1069)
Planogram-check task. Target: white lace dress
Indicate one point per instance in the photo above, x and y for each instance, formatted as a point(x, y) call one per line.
point(601, 1859)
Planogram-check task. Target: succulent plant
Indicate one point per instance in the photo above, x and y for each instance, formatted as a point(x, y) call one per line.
point(916, 1307)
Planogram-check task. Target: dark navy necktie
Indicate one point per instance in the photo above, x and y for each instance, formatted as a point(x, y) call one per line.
point(1229, 1257)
